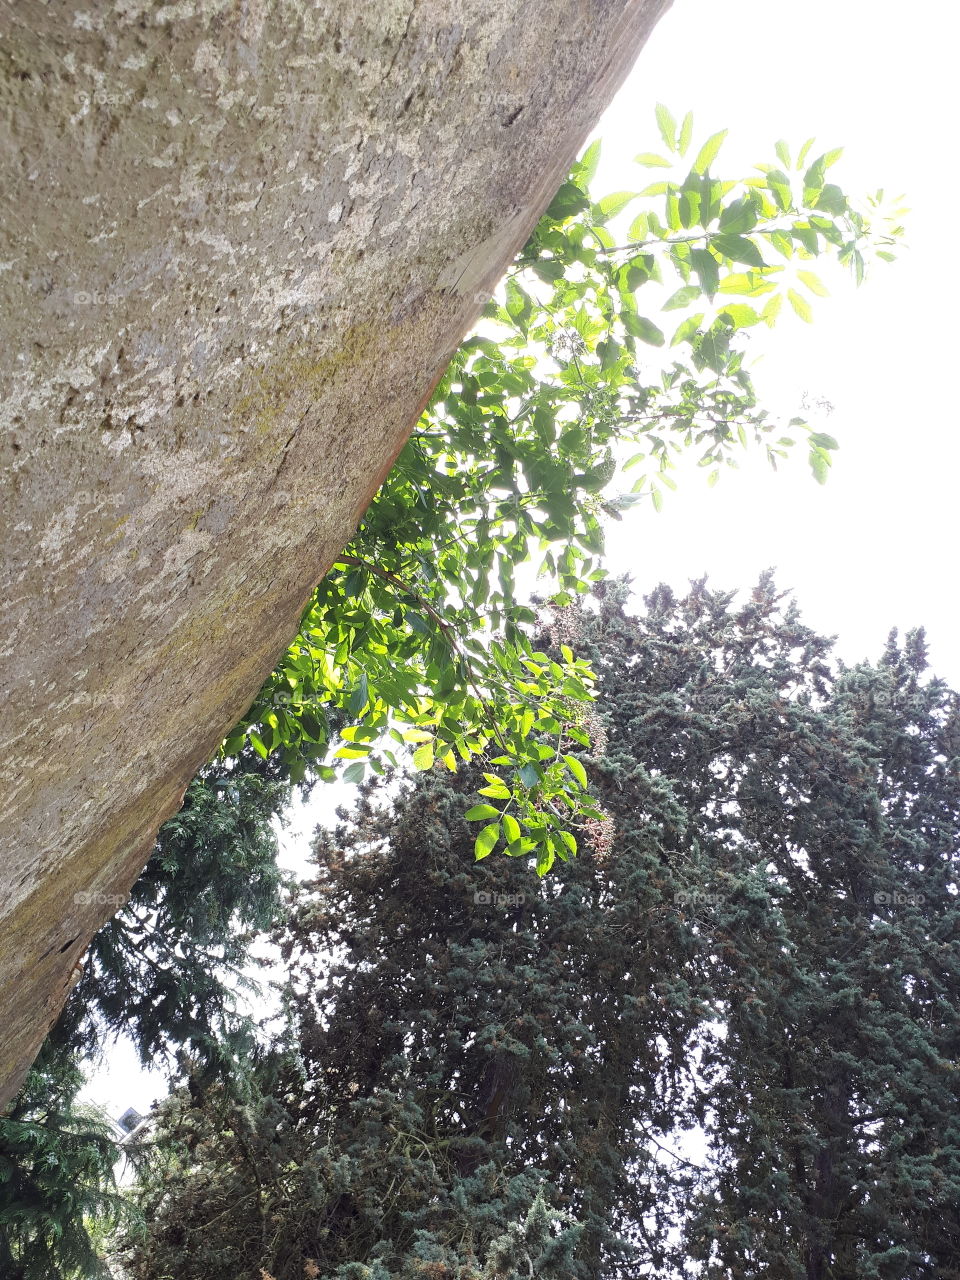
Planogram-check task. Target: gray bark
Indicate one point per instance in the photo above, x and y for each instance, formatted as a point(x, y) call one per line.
point(240, 240)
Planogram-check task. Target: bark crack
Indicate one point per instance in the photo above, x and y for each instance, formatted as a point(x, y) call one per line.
point(400, 43)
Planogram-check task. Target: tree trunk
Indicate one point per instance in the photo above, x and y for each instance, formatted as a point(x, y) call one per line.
point(240, 241)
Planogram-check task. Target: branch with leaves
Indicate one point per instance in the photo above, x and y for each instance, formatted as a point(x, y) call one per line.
point(419, 636)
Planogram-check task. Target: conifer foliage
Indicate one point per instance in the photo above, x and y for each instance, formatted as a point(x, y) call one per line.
point(164, 971)
point(722, 1042)
point(459, 1095)
point(57, 1161)
point(166, 968)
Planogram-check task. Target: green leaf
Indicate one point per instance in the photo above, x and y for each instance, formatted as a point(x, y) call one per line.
point(772, 309)
point(820, 466)
point(511, 828)
point(667, 126)
point(481, 811)
point(750, 284)
point(233, 744)
point(738, 249)
point(519, 303)
point(486, 841)
point(549, 270)
point(707, 269)
point(820, 440)
point(813, 180)
point(741, 315)
point(800, 305)
point(832, 200)
point(615, 203)
point(423, 757)
point(577, 769)
point(360, 696)
point(709, 151)
point(529, 775)
point(804, 151)
point(652, 161)
point(354, 772)
point(779, 185)
point(687, 329)
point(739, 216)
point(640, 327)
point(418, 623)
point(569, 840)
point(545, 860)
point(686, 132)
point(682, 298)
point(496, 791)
point(783, 153)
point(610, 353)
point(813, 283)
point(807, 237)
point(567, 203)
point(588, 162)
point(639, 228)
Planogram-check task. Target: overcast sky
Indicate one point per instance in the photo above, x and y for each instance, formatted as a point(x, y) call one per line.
point(875, 547)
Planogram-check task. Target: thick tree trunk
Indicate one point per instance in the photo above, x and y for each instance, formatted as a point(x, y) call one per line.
point(240, 240)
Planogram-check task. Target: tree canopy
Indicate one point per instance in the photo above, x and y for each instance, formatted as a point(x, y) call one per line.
point(167, 968)
point(165, 972)
point(723, 1042)
point(613, 346)
point(58, 1190)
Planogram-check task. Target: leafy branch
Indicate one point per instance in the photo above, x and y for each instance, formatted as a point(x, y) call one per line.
point(419, 636)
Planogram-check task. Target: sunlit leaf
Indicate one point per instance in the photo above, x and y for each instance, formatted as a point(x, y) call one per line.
point(486, 841)
point(481, 811)
point(813, 283)
point(709, 151)
point(667, 126)
point(800, 305)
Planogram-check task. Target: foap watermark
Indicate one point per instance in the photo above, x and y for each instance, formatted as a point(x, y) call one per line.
point(484, 898)
point(83, 298)
point(101, 98)
point(895, 898)
point(697, 898)
point(86, 897)
point(298, 98)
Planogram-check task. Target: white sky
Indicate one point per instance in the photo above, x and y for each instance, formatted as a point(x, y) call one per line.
point(875, 547)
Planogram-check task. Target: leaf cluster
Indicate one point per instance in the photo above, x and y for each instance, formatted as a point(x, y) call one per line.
point(420, 635)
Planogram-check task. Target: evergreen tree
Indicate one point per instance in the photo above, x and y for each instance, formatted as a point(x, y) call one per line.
point(163, 971)
point(469, 1049)
point(824, 803)
point(835, 1126)
point(761, 941)
point(57, 1160)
